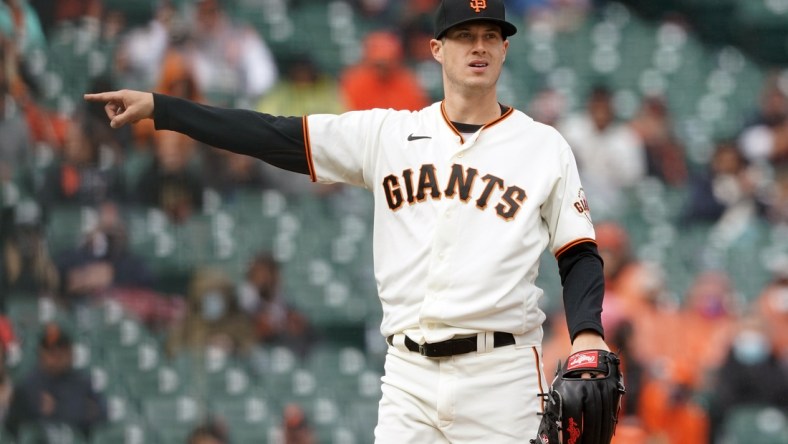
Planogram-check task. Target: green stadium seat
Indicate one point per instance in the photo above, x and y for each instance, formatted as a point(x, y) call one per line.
point(132, 432)
point(247, 418)
point(172, 417)
point(122, 408)
point(66, 226)
point(336, 434)
point(160, 381)
point(254, 435)
point(49, 433)
point(136, 12)
point(756, 424)
point(231, 381)
point(363, 417)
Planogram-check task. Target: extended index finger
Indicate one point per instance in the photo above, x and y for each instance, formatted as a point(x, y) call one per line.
point(103, 97)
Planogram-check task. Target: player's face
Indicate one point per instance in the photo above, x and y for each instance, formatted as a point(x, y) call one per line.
point(472, 55)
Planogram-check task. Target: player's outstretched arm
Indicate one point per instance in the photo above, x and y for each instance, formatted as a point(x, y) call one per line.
point(273, 139)
point(124, 106)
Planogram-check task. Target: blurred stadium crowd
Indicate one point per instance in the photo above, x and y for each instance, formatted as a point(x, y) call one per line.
point(156, 290)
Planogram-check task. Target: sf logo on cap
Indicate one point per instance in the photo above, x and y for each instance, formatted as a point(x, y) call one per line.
point(478, 5)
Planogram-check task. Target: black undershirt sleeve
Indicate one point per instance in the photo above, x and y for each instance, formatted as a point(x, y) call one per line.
point(275, 140)
point(580, 268)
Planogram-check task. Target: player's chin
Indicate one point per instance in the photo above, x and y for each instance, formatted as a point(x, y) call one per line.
point(481, 82)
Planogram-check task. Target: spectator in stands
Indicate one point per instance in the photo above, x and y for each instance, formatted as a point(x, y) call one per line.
point(379, 13)
point(19, 22)
point(139, 56)
point(559, 15)
point(772, 306)
point(6, 384)
point(548, 106)
point(54, 391)
point(765, 140)
point(630, 428)
point(208, 433)
point(171, 182)
point(28, 267)
point(16, 144)
point(665, 157)
point(102, 265)
point(19, 96)
point(295, 426)
point(636, 368)
point(668, 409)
point(228, 173)
point(275, 320)
point(176, 77)
point(610, 156)
point(635, 296)
point(303, 89)
point(10, 352)
point(381, 79)
point(213, 318)
point(632, 286)
point(776, 200)
point(751, 357)
point(54, 13)
point(707, 317)
point(417, 31)
point(232, 62)
point(727, 187)
point(627, 433)
point(85, 172)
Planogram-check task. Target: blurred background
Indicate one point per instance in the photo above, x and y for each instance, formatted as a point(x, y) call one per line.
point(157, 290)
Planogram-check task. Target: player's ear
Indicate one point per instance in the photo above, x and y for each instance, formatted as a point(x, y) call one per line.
point(436, 47)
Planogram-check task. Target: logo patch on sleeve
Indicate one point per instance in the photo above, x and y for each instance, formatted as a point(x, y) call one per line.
point(578, 360)
point(581, 205)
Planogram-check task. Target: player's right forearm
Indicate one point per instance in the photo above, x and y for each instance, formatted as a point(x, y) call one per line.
point(276, 140)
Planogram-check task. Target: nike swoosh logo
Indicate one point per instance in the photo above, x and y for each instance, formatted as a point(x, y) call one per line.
point(411, 137)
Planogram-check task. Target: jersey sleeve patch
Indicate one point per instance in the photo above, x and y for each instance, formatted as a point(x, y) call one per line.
point(581, 205)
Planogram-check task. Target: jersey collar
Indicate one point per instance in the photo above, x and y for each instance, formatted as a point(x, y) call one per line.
point(506, 111)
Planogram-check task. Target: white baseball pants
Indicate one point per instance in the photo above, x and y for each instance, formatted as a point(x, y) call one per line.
point(479, 397)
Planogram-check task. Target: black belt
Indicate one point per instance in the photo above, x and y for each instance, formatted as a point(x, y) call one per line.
point(453, 347)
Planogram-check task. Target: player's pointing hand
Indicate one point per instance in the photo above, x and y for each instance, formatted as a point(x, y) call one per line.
point(124, 106)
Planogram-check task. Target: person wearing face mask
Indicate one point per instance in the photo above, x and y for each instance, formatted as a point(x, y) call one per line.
point(729, 185)
point(276, 321)
point(750, 375)
point(213, 318)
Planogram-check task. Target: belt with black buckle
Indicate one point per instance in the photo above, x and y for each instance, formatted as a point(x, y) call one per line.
point(451, 347)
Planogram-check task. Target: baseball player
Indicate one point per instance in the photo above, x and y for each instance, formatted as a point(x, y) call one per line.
point(468, 192)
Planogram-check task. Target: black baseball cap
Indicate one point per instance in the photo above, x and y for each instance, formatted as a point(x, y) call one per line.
point(451, 13)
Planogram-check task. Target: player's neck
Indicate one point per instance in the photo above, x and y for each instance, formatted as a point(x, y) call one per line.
point(476, 110)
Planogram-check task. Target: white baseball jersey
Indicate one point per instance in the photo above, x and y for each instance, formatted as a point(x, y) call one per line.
point(460, 222)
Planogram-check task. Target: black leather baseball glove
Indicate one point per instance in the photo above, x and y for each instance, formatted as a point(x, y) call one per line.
point(583, 410)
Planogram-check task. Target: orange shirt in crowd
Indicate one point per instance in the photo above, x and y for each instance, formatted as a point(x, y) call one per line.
point(381, 79)
point(669, 419)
